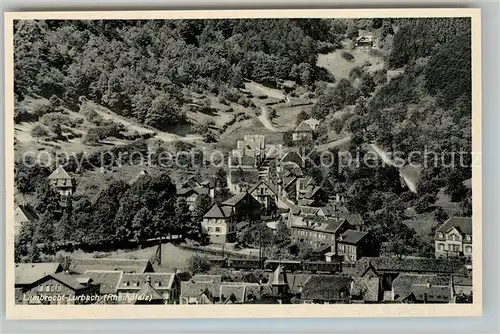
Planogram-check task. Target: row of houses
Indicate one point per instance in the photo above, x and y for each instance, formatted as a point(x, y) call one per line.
point(123, 281)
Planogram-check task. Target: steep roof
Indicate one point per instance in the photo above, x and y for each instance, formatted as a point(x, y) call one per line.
point(303, 127)
point(59, 174)
point(269, 185)
point(463, 224)
point(352, 237)
point(327, 287)
point(109, 280)
point(29, 212)
point(147, 291)
point(28, 273)
point(235, 199)
point(228, 292)
point(415, 265)
point(219, 211)
point(125, 265)
point(190, 289)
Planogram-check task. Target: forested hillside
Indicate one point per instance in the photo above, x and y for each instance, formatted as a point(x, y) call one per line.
point(140, 68)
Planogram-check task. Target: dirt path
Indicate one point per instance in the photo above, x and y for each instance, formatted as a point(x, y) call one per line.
point(263, 118)
point(134, 126)
point(334, 144)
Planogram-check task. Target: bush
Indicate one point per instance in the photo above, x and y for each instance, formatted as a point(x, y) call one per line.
point(199, 264)
point(423, 204)
point(347, 56)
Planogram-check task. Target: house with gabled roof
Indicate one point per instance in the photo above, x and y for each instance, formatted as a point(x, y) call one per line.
point(454, 238)
point(269, 197)
point(318, 231)
point(63, 182)
point(61, 288)
point(219, 223)
point(303, 131)
point(388, 268)
point(353, 245)
point(23, 214)
point(166, 286)
point(308, 193)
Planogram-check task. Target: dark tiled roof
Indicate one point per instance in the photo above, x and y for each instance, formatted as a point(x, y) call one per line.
point(219, 211)
point(207, 278)
point(71, 281)
point(29, 212)
point(366, 288)
point(463, 224)
point(352, 237)
point(354, 219)
point(108, 279)
point(411, 265)
point(434, 293)
point(28, 273)
point(402, 285)
point(125, 265)
point(191, 289)
point(187, 191)
point(327, 287)
point(235, 199)
point(235, 293)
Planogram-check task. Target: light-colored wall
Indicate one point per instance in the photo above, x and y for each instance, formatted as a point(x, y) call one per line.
point(454, 242)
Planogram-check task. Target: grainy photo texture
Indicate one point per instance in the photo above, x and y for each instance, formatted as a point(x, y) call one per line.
point(243, 161)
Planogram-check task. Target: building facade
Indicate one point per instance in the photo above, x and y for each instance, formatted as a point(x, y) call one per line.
point(454, 238)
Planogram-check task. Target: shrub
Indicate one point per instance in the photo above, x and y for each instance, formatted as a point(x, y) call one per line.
point(347, 56)
point(199, 264)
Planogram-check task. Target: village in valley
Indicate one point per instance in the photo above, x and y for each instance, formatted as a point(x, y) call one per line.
point(246, 211)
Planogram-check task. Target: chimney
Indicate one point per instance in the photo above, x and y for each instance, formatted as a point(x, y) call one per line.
point(428, 284)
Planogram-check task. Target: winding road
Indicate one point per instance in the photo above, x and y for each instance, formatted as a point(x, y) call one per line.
point(263, 118)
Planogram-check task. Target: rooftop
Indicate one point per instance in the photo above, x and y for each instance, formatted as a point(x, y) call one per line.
point(411, 265)
point(326, 287)
point(28, 273)
point(462, 224)
point(59, 174)
point(352, 237)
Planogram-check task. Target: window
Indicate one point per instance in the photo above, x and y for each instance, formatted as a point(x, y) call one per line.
point(47, 288)
point(468, 249)
point(217, 229)
point(440, 235)
point(40, 288)
point(440, 246)
point(468, 237)
point(58, 287)
point(209, 229)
